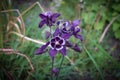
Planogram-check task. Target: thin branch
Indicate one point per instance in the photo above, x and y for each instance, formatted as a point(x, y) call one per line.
point(27, 38)
point(11, 51)
point(20, 17)
point(107, 27)
point(13, 25)
point(36, 3)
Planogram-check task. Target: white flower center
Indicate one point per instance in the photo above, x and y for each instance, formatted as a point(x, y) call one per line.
point(57, 43)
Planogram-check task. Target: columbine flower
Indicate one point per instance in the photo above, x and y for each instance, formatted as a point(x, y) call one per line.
point(56, 44)
point(48, 18)
point(76, 29)
point(66, 29)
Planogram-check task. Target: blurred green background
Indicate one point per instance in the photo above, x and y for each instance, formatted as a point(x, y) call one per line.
point(99, 59)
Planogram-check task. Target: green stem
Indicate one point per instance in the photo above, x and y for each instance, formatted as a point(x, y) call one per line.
point(50, 33)
point(52, 69)
point(1, 33)
point(60, 67)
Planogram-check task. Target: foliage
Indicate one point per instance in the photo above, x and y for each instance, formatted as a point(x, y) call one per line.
point(97, 14)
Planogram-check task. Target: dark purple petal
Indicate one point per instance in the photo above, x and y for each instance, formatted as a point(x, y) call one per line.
point(78, 36)
point(57, 38)
point(76, 48)
point(55, 71)
point(42, 16)
point(42, 49)
point(49, 22)
point(54, 16)
point(47, 34)
point(53, 40)
point(66, 36)
point(53, 45)
point(42, 23)
point(63, 51)
point(56, 33)
point(75, 23)
point(61, 41)
point(68, 44)
point(58, 47)
point(58, 23)
point(52, 53)
point(66, 24)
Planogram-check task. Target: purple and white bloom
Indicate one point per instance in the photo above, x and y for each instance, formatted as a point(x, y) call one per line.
point(48, 18)
point(66, 29)
point(57, 44)
point(76, 29)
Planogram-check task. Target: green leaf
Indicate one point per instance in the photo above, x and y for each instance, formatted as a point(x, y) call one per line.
point(116, 7)
point(99, 25)
point(117, 34)
point(116, 26)
point(88, 17)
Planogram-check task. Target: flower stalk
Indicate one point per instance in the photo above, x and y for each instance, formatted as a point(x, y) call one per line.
point(60, 67)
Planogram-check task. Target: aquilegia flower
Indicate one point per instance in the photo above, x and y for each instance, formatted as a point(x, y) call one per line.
point(48, 18)
point(66, 29)
point(59, 40)
point(56, 44)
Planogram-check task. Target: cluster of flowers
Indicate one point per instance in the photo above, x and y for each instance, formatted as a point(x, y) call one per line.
point(59, 39)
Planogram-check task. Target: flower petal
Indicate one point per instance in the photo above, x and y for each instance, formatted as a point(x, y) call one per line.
point(54, 16)
point(52, 53)
point(42, 49)
point(66, 36)
point(42, 16)
point(47, 34)
point(63, 51)
point(56, 32)
point(75, 23)
point(76, 48)
point(78, 36)
point(68, 44)
point(42, 23)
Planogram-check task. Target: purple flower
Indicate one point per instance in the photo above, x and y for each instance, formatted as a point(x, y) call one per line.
point(56, 44)
point(63, 29)
point(76, 29)
point(66, 29)
point(55, 71)
point(48, 18)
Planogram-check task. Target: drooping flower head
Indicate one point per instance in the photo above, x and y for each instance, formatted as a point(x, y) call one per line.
point(48, 18)
point(55, 71)
point(66, 29)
